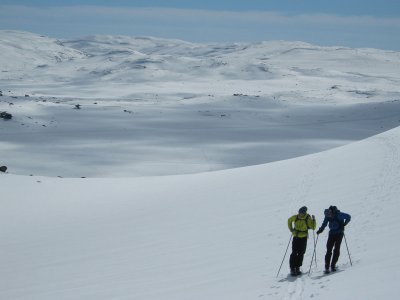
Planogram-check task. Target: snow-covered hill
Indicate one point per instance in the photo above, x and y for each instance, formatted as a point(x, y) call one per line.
point(150, 106)
point(111, 106)
point(23, 52)
point(216, 235)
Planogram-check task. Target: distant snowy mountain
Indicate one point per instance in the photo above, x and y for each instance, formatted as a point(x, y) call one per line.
point(129, 59)
point(124, 106)
point(23, 51)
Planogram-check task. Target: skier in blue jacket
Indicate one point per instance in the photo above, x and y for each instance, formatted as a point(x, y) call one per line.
point(337, 221)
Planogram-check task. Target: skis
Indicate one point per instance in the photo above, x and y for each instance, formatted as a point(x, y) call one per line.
point(327, 272)
point(317, 275)
point(297, 273)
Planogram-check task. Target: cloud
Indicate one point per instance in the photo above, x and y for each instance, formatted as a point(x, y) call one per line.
point(200, 15)
point(199, 25)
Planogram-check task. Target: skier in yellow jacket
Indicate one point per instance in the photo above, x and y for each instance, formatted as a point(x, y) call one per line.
point(302, 223)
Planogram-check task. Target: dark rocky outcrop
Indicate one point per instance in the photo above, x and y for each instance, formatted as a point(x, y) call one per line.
point(5, 115)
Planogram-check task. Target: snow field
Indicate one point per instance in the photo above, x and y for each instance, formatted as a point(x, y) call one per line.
point(218, 235)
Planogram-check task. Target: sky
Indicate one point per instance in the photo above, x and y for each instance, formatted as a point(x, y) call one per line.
point(351, 23)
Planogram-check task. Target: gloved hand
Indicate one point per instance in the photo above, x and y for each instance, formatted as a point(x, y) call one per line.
point(319, 231)
point(313, 217)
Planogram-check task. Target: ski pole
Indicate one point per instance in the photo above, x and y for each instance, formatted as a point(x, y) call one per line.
point(284, 255)
point(347, 249)
point(315, 245)
point(312, 258)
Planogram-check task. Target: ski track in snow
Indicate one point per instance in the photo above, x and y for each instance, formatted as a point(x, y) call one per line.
point(390, 169)
point(295, 289)
point(383, 186)
point(296, 285)
point(287, 288)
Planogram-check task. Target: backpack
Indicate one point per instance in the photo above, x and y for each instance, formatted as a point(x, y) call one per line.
point(335, 219)
point(305, 220)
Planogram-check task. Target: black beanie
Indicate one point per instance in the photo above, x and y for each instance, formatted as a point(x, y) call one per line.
point(303, 210)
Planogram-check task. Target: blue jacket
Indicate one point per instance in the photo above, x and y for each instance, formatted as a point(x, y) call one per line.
point(336, 222)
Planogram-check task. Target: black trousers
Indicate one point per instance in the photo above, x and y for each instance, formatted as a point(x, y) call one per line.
point(299, 246)
point(334, 240)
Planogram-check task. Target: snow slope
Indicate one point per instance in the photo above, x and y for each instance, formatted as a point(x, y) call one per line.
point(152, 106)
point(157, 107)
point(216, 235)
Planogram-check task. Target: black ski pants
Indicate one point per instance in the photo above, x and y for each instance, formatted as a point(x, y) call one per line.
point(299, 246)
point(334, 240)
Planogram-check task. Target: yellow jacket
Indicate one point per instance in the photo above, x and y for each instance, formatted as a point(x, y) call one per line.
point(302, 223)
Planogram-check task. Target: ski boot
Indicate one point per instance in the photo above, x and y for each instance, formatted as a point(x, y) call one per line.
point(327, 271)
